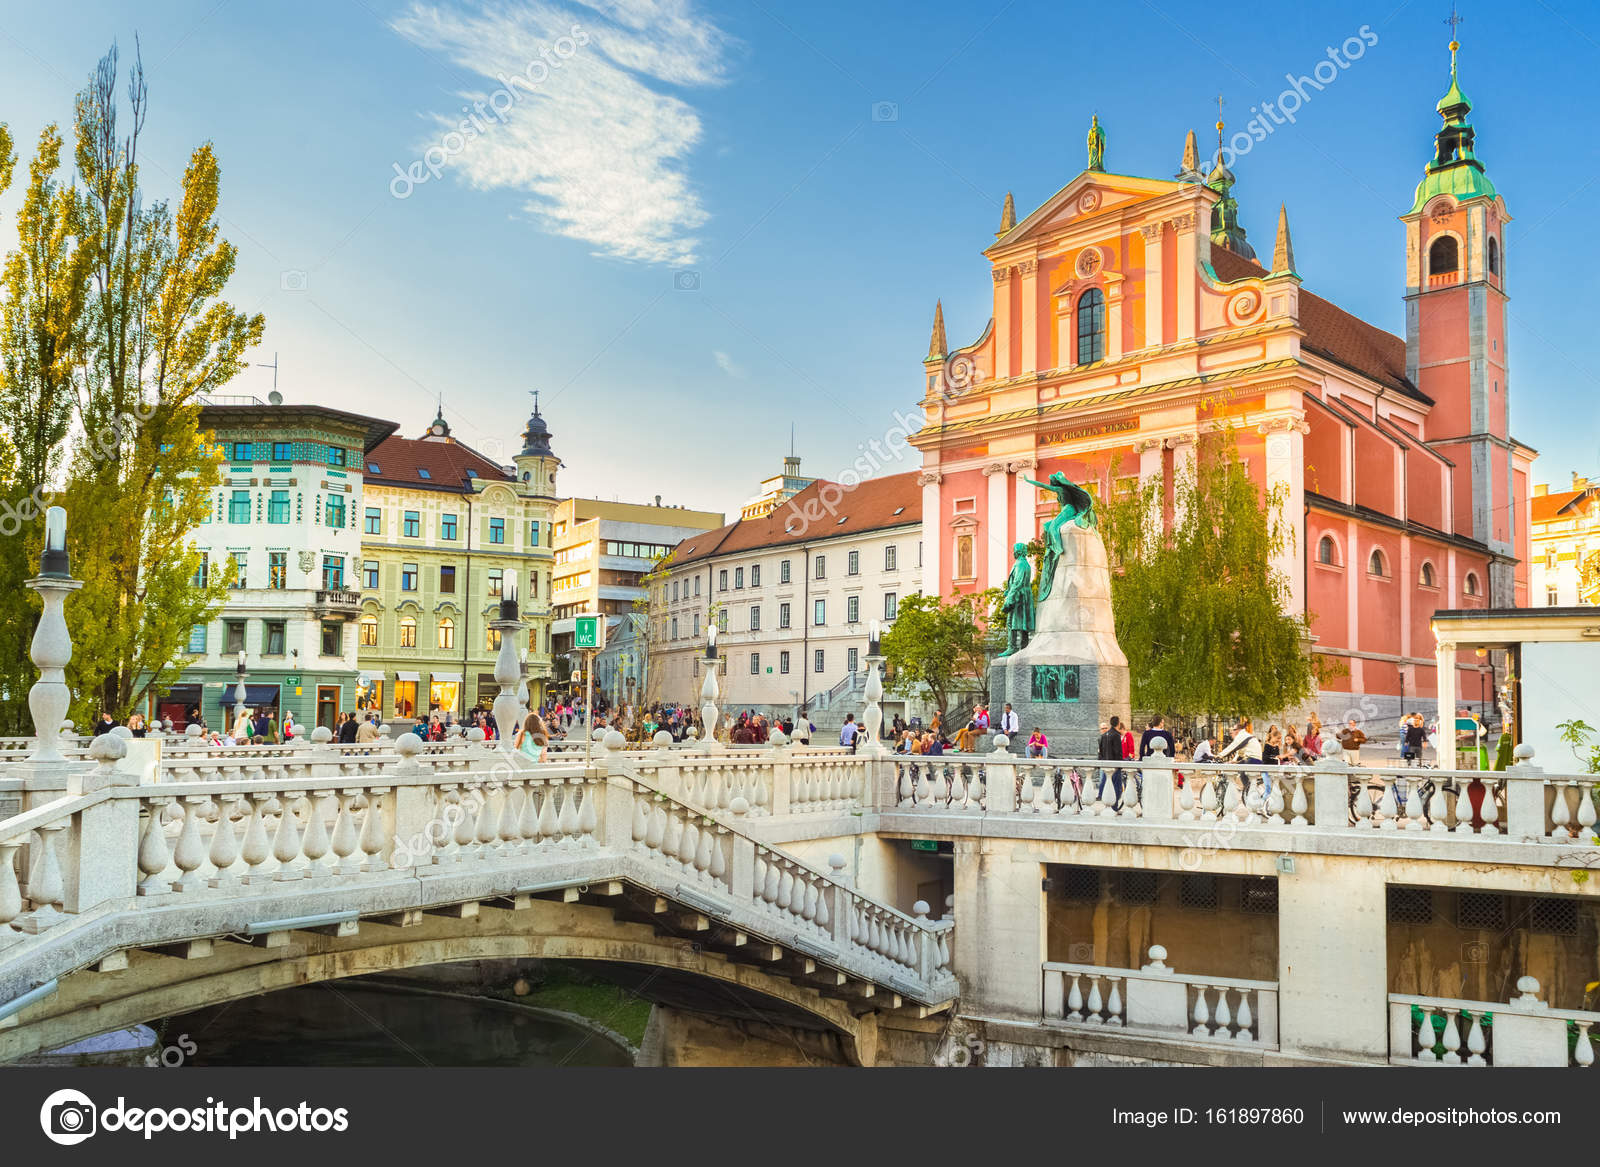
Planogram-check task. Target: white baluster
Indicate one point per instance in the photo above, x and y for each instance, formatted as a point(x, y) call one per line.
point(1583, 1051)
point(1202, 1014)
point(257, 848)
point(1245, 1018)
point(1425, 1036)
point(1451, 1037)
point(45, 887)
point(1095, 1004)
point(1438, 810)
point(346, 841)
point(1476, 1044)
point(1298, 806)
point(1388, 807)
point(154, 857)
point(1208, 795)
point(1560, 816)
point(374, 833)
point(588, 817)
point(286, 841)
point(1414, 805)
point(1114, 1001)
point(315, 844)
point(1186, 799)
point(1224, 1016)
point(190, 852)
point(10, 893)
point(1074, 999)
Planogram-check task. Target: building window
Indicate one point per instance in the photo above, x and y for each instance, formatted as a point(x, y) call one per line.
point(852, 610)
point(533, 533)
point(1443, 255)
point(1375, 562)
point(447, 632)
point(755, 618)
point(202, 574)
point(447, 580)
point(852, 657)
point(335, 510)
point(674, 628)
point(783, 615)
point(408, 632)
point(491, 641)
point(852, 563)
point(1327, 553)
point(408, 577)
point(369, 631)
point(890, 556)
point(696, 585)
point(816, 661)
point(783, 571)
point(332, 572)
point(819, 612)
point(1091, 327)
point(1494, 256)
point(197, 639)
point(374, 521)
point(497, 530)
point(273, 643)
point(722, 580)
point(822, 567)
point(1470, 584)
point(738, 577)
point(964, 557)
point(755, 663)
point(497, 583)
point(370, 570)
point(722, 620)
point(278, 507)
point(1551, 599)
point(405, 698)
point(413, 525)
point(755, 575)
point(241, 570)
point(335, 458)
point(783, 662)
point(278, 569)
point(233, 643)
point(891, 604)
point(332, 636)
point(239, 507)
point(281, 452)
point(447, 528)
point(1427, 577)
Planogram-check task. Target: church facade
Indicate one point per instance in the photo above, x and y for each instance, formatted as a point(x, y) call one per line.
point(1132, 315)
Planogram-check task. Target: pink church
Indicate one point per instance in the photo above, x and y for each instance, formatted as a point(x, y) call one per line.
point(1132, 313)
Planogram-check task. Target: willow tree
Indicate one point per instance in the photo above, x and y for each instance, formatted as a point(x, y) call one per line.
point(1201, 612)
point(156, 338)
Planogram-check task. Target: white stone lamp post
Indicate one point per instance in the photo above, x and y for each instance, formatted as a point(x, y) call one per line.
point(709, 692)
point(239, 673)
point(872, 717)
point(52, 644)
point(507, 667)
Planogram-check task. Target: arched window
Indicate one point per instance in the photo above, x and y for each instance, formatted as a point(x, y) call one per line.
point(408, 632)
point(369, 630)
point(447, 632)
point(1091, 327)
point(1470, 584)
point(1494, 256)
point(1427, 575)
point(1326, 551)
point(1442, 255)
point(1375, 563)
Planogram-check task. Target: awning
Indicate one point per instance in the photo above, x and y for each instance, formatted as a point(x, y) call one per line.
point(437, 677)
point(254, 695)
point(407, 677)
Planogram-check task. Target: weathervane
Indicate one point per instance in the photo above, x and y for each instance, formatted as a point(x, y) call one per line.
point(1454, 20)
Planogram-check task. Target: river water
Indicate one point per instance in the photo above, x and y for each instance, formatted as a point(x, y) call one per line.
point(346, 1024)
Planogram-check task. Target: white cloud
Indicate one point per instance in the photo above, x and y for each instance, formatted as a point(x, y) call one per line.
point(727, 364)
point(597, 145)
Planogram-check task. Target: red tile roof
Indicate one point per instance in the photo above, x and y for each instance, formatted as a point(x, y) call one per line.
point(1549, 506)
point(1333, 333)
point(823, 510)
point(398, 461)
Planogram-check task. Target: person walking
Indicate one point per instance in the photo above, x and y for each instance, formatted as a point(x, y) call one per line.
point(1157, 739)
point(1351, 740)
point(848, 731)
point(1110, 751)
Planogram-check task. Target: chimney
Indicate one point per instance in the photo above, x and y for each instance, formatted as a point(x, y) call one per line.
point(1541, 489)
point(1579, 482)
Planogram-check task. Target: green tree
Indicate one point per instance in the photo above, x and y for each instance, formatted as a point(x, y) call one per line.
point(1200, 610)
point(935, 644)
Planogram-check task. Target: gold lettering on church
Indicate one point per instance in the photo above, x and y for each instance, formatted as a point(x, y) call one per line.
point(1059, 437)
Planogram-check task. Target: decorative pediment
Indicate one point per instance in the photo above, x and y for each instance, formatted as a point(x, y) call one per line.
point(1085, 197)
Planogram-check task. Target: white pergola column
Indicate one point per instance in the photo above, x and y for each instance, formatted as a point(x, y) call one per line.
point(1445, 662)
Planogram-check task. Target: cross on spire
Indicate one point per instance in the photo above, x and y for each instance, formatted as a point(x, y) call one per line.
point(534, 393)
point(1219, 121)
point(1454, 20)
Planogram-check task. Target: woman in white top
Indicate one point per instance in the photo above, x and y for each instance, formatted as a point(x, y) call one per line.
point(1245, 747)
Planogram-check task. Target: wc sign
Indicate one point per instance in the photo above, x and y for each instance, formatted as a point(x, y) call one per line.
point(589, 632)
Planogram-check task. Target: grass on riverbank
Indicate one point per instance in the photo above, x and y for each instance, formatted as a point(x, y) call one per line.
point(605, 1004)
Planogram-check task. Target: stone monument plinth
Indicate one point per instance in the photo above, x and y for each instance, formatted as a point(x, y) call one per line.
point(1072, 675)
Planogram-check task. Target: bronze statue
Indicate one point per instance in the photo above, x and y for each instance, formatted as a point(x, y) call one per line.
point(1097, 145)
point(1017, 602)
point(1077, 506)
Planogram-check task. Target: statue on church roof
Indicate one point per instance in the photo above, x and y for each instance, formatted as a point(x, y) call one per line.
point(1097, 145)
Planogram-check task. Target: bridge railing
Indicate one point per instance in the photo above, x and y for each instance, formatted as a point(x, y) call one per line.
point(1435, 1031)
point(772, 781)
point(1522, 804)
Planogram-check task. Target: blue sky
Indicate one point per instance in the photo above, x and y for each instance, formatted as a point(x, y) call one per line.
point(713, 220)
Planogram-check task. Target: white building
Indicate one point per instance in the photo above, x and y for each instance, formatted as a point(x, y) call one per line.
point(1566, 545)
point(792, 593)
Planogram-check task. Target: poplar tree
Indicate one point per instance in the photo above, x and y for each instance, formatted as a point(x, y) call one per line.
point(1200, 611)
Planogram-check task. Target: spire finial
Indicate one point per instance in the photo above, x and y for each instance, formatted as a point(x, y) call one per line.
point(534, 393)
point(1219, 124)
point(1283, 250)
point(1008, 215)
point(937, 349)
point(1454, 20)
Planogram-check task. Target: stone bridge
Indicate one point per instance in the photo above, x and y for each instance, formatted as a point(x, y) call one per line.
point(241, 871)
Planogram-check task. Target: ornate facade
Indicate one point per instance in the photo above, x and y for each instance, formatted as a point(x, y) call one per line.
point(1130, 315)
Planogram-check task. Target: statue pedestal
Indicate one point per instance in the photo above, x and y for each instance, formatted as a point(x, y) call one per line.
point(1072, 675)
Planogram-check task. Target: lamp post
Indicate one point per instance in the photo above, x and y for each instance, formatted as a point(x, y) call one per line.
point(51, 649)
point(873, 715)
point(709, 692)
point(238, 689)
point(507, 667)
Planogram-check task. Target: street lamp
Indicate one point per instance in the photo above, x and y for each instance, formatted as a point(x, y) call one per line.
point(51, 649)
point(873, 715)
point(238, 689)
point(507, 666)
point(709, 691)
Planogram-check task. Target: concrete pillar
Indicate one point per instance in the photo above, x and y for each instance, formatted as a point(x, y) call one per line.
point(1333, 978)
point(1445, 664)
point(1000, 946)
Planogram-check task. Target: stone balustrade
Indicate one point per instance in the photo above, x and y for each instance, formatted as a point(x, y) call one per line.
point(1441, 1031)
point(1159, 1001)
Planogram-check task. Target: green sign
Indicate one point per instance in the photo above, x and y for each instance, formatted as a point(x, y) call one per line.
point(291, 681)
point(924, 844)
point(586, 632)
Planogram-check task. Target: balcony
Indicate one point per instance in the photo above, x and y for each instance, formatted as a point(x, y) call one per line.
point(338, 603)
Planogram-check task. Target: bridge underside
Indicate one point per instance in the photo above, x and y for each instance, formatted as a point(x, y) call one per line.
point(664, 950)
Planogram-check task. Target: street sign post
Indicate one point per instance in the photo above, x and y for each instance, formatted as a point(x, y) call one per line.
point(589, 632)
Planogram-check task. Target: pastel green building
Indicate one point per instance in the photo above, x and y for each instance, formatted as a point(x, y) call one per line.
point(446, 532)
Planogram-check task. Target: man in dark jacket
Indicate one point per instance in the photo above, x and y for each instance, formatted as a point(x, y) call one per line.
point(1111, 751)
point(347, 731)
